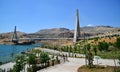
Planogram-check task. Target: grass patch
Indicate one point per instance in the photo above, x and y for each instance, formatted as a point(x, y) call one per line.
point(98, 69)
point(110, 54)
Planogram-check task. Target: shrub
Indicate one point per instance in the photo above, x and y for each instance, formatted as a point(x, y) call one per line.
point(19, 63)
point(103, 46)
point(44, 57)
point(117, 43)
point(31, 59)
point(88, 47)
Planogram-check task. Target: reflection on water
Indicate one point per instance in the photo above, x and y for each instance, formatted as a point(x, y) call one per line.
point(9, 52)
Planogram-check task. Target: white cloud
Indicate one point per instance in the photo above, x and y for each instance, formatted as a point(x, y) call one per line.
point(90, 25)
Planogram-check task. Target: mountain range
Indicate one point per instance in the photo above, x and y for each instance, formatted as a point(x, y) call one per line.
point(62, 32)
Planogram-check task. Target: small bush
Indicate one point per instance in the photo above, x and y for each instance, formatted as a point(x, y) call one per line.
point(103, 46)
point(117, 43)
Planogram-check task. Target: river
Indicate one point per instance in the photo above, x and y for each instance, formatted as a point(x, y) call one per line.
point(9, 52)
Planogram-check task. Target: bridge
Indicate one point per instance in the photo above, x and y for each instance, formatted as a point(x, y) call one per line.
point(77, 35)
point(15, 39)
point(80, 38)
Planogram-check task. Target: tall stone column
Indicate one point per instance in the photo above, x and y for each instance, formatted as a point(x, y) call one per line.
point(77, 28)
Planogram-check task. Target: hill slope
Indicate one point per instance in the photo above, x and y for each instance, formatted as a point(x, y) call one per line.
point(98, 29)
point(63, 32)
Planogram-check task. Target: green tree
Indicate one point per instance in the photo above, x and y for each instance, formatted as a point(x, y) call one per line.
point(95, 49)
point(90, 59)
point(44, 57)
point(103, 46)
point(65, 48)
point(34, 68)
point(75, 48)
point(20, 63)
point(31, 59)
point(88, 47)
point(89, 55)
point(78, 48)
point(117, 43)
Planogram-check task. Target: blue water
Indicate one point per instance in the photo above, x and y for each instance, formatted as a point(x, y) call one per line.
point(9, 52)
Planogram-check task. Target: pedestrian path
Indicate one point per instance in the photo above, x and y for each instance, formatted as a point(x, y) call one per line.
point(7, 66)
point(74, 63)
point(71, 66)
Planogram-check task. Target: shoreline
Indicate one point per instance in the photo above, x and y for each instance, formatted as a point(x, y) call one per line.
point(9, 52)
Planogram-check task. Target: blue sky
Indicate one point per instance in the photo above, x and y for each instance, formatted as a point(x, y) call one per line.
point(32, 15)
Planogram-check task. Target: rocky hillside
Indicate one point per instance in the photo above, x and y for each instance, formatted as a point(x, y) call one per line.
point(6, 37)
point(10, 34)
point(99, 29)
point(52, 33)
point(63, 32)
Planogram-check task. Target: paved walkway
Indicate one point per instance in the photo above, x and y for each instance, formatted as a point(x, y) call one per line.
point(75, 63)
point(7, 66)
point(71, 66)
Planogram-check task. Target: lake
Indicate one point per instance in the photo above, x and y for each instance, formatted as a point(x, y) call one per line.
point(9, 52)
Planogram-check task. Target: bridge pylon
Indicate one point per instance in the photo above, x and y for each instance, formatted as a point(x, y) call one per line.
point(77, 28)
point(14, 37)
